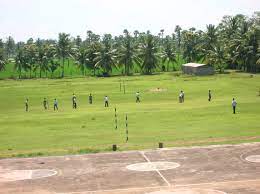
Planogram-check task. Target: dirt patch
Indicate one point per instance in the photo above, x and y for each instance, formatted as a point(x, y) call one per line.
point(158, 90)
point(190, 191)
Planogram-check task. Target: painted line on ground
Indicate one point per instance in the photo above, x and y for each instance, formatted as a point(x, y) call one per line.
point(160, 174)
point(30, 175)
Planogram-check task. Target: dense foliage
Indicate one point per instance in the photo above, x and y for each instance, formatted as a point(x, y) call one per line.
point(234, 44)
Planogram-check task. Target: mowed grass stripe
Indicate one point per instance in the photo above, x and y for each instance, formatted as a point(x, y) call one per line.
point(158, 118)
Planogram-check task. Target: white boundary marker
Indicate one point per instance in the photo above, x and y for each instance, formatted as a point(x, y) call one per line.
point(54, 172)
point(161, 187)
point(253, 158)
point(146, 167)
point(147, 159)
point(243, 158)
point(29, 175)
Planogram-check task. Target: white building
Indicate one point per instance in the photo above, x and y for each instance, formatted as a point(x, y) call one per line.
point(197, 69)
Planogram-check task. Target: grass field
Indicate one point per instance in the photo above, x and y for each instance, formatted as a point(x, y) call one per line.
point(158, 118)
point(72, 70)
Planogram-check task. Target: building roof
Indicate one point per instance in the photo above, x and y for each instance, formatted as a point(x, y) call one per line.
point(193, 65)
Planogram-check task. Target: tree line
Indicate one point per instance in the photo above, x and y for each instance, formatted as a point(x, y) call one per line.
point(234, 43)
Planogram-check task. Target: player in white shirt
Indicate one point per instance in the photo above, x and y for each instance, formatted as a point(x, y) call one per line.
point(234, 104)
point(137, 97)
point(55, 105)
point(106, 101)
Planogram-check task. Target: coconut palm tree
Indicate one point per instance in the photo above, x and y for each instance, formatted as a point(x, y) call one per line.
point(2, 46)
point(10, 46)
point(178, 40)
point(89, 36)
point(49, 53)
point(217, 58)
point(258, 62)
point(229, 33)
point(242, 45)
point(2, 60)
point(78, 42)
point(127, 54)
point(208, 41)
point(31, 55)
point(106, 59)
point(250, 49)
point(82, 59)
point(168, 53)
point(2, 56)
point(191, 46)
point(92, 51)
point(149, 55)
point(41, 58)
point(53, 66)
point(161, 33)
point(63, 48)
point(136, 33)
point(20, 61)
point(210, 37)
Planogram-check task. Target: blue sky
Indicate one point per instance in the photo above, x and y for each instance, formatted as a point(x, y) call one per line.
point(23, 19)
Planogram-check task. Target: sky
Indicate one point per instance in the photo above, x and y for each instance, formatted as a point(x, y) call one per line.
point(23, 19)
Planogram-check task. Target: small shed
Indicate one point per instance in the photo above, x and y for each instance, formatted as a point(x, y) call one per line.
point(197, 69)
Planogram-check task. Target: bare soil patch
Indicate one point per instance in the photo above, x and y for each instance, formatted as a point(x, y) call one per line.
point(158, 90)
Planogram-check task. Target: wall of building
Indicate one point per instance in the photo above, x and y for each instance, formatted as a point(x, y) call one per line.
point(203, 70)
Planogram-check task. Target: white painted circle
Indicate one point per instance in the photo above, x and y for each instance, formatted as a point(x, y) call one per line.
point(190, 191)
point(17, 175)
point(253, 158)
point(152, 166)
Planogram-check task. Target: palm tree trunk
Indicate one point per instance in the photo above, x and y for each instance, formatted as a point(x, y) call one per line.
point(125, 69)
point(40, 70)
point(62, 74)
point(83, 72)
point(178, 58)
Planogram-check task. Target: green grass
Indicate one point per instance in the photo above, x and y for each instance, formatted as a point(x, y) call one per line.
point(158, 118)
point(71, 70)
